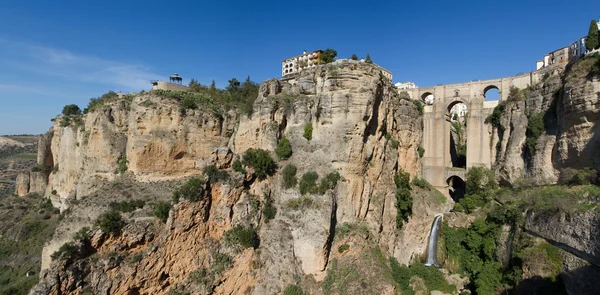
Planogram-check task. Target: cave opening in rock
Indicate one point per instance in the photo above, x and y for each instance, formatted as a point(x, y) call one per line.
point(456, 188)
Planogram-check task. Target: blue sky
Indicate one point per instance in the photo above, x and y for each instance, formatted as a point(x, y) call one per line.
point(54, 53)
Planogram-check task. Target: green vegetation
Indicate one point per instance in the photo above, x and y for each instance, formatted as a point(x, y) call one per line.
point(237, 166)
point(343, 248)
point(308, 129)
point(122, 164)
point(494, 117)
point(238, 95)
point(161, 210)
point(404, 199)
point(126, 206)
point(432, 277)
point(422, 183)
point(215, 175)
point(269, 210)
point(261, 161)
point(421, 151)
point(308, 183)
point(535, 128)
point(289, 176)
point(284, 149)
point(354, 57)
point(368, 59)
point(245, 237)
point(293, 290)
point(593, 39)
point(27, 225)
point(474, 250)
point(100, 101)
point(192, 190)
point(479, 188)
point(569, 176)
point(71, 110)
point(301, 203)
point(419, 105)
point(111, 222)
point(328, 56)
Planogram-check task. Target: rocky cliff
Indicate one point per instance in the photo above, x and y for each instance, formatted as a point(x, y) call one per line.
point(567, 102)
point(361, 129)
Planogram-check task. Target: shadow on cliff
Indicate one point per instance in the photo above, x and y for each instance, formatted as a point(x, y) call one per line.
point(582, 281)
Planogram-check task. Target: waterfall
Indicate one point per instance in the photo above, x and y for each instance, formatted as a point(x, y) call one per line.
point(509, 246)
point(432, 245)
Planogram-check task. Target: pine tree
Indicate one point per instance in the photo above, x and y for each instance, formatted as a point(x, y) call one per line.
point(368, 59)
point(592, 41)
point(354, 57)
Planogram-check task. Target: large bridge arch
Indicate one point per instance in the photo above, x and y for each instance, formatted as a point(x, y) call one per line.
point(491, 92)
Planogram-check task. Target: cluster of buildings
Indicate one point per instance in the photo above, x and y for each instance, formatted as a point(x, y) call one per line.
point(563, 55)
point(308, 60)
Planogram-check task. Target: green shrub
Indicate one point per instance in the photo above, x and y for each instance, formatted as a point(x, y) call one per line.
point(308, 183)
point(300, 203)
point(65, 121)
point(161, 210)
point(329, 182)
point(82, 235)
point(422, 183)
point(237, 166)
point(126, 206)
point(343, 248)
point(67, 252)
point(123, 164)
point(494, 117)
point(261, 161)
point(269, 210)
point(71, 110)
point(421, 151)
point(246, 237)
point(308, 129)
point(394, 143)
point(188, 103)
point(284, 149)
point(480, 179)
point(289, 176)
point(192, 190)
point(535, 128)
point(404, 198)
point(110, 222)
point(215, 175)
point(221, 262)
point(458, 207)
point(569, 176)
point(293, 290)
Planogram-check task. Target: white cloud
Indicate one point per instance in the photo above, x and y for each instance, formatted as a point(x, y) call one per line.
point(74, 67)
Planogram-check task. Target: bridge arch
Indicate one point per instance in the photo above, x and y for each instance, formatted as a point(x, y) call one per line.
point(456, 187)
point(427, 98)
point(491, 92)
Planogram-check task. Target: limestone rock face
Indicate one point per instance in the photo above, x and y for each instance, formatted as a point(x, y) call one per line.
point(22, 184)
point(568, 101)
point(149, 136)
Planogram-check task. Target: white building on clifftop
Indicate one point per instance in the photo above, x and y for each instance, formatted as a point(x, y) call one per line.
point(298, 63)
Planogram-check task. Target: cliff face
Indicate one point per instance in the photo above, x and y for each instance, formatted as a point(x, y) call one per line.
point(568, 103)
point(357, 118)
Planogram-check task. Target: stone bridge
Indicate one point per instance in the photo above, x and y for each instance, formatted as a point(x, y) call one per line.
point(481, 141)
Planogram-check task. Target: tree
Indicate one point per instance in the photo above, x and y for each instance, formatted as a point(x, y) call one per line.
point(71, 110)
point(261, 161)
point(368, 59)
point(213, 86)
point(593, 38)
point(328, 56)
point(289, 176)
point(234, 85)
point(284, 149)
point(354, 57)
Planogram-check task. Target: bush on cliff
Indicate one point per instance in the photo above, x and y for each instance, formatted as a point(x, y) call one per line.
point(284, 149)
point(215, 175)
point(111, 222)
point(535, 128)
point(71, 110)
point(192, 190)
point(404, 199)
point(308, 183)
point(308, 129)
point(243, 236)
point(161, 210)
point(261, 161)
point(289, 176)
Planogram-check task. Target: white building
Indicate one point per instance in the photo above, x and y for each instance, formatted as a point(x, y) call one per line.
point(298, 63)
point(405, 85)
